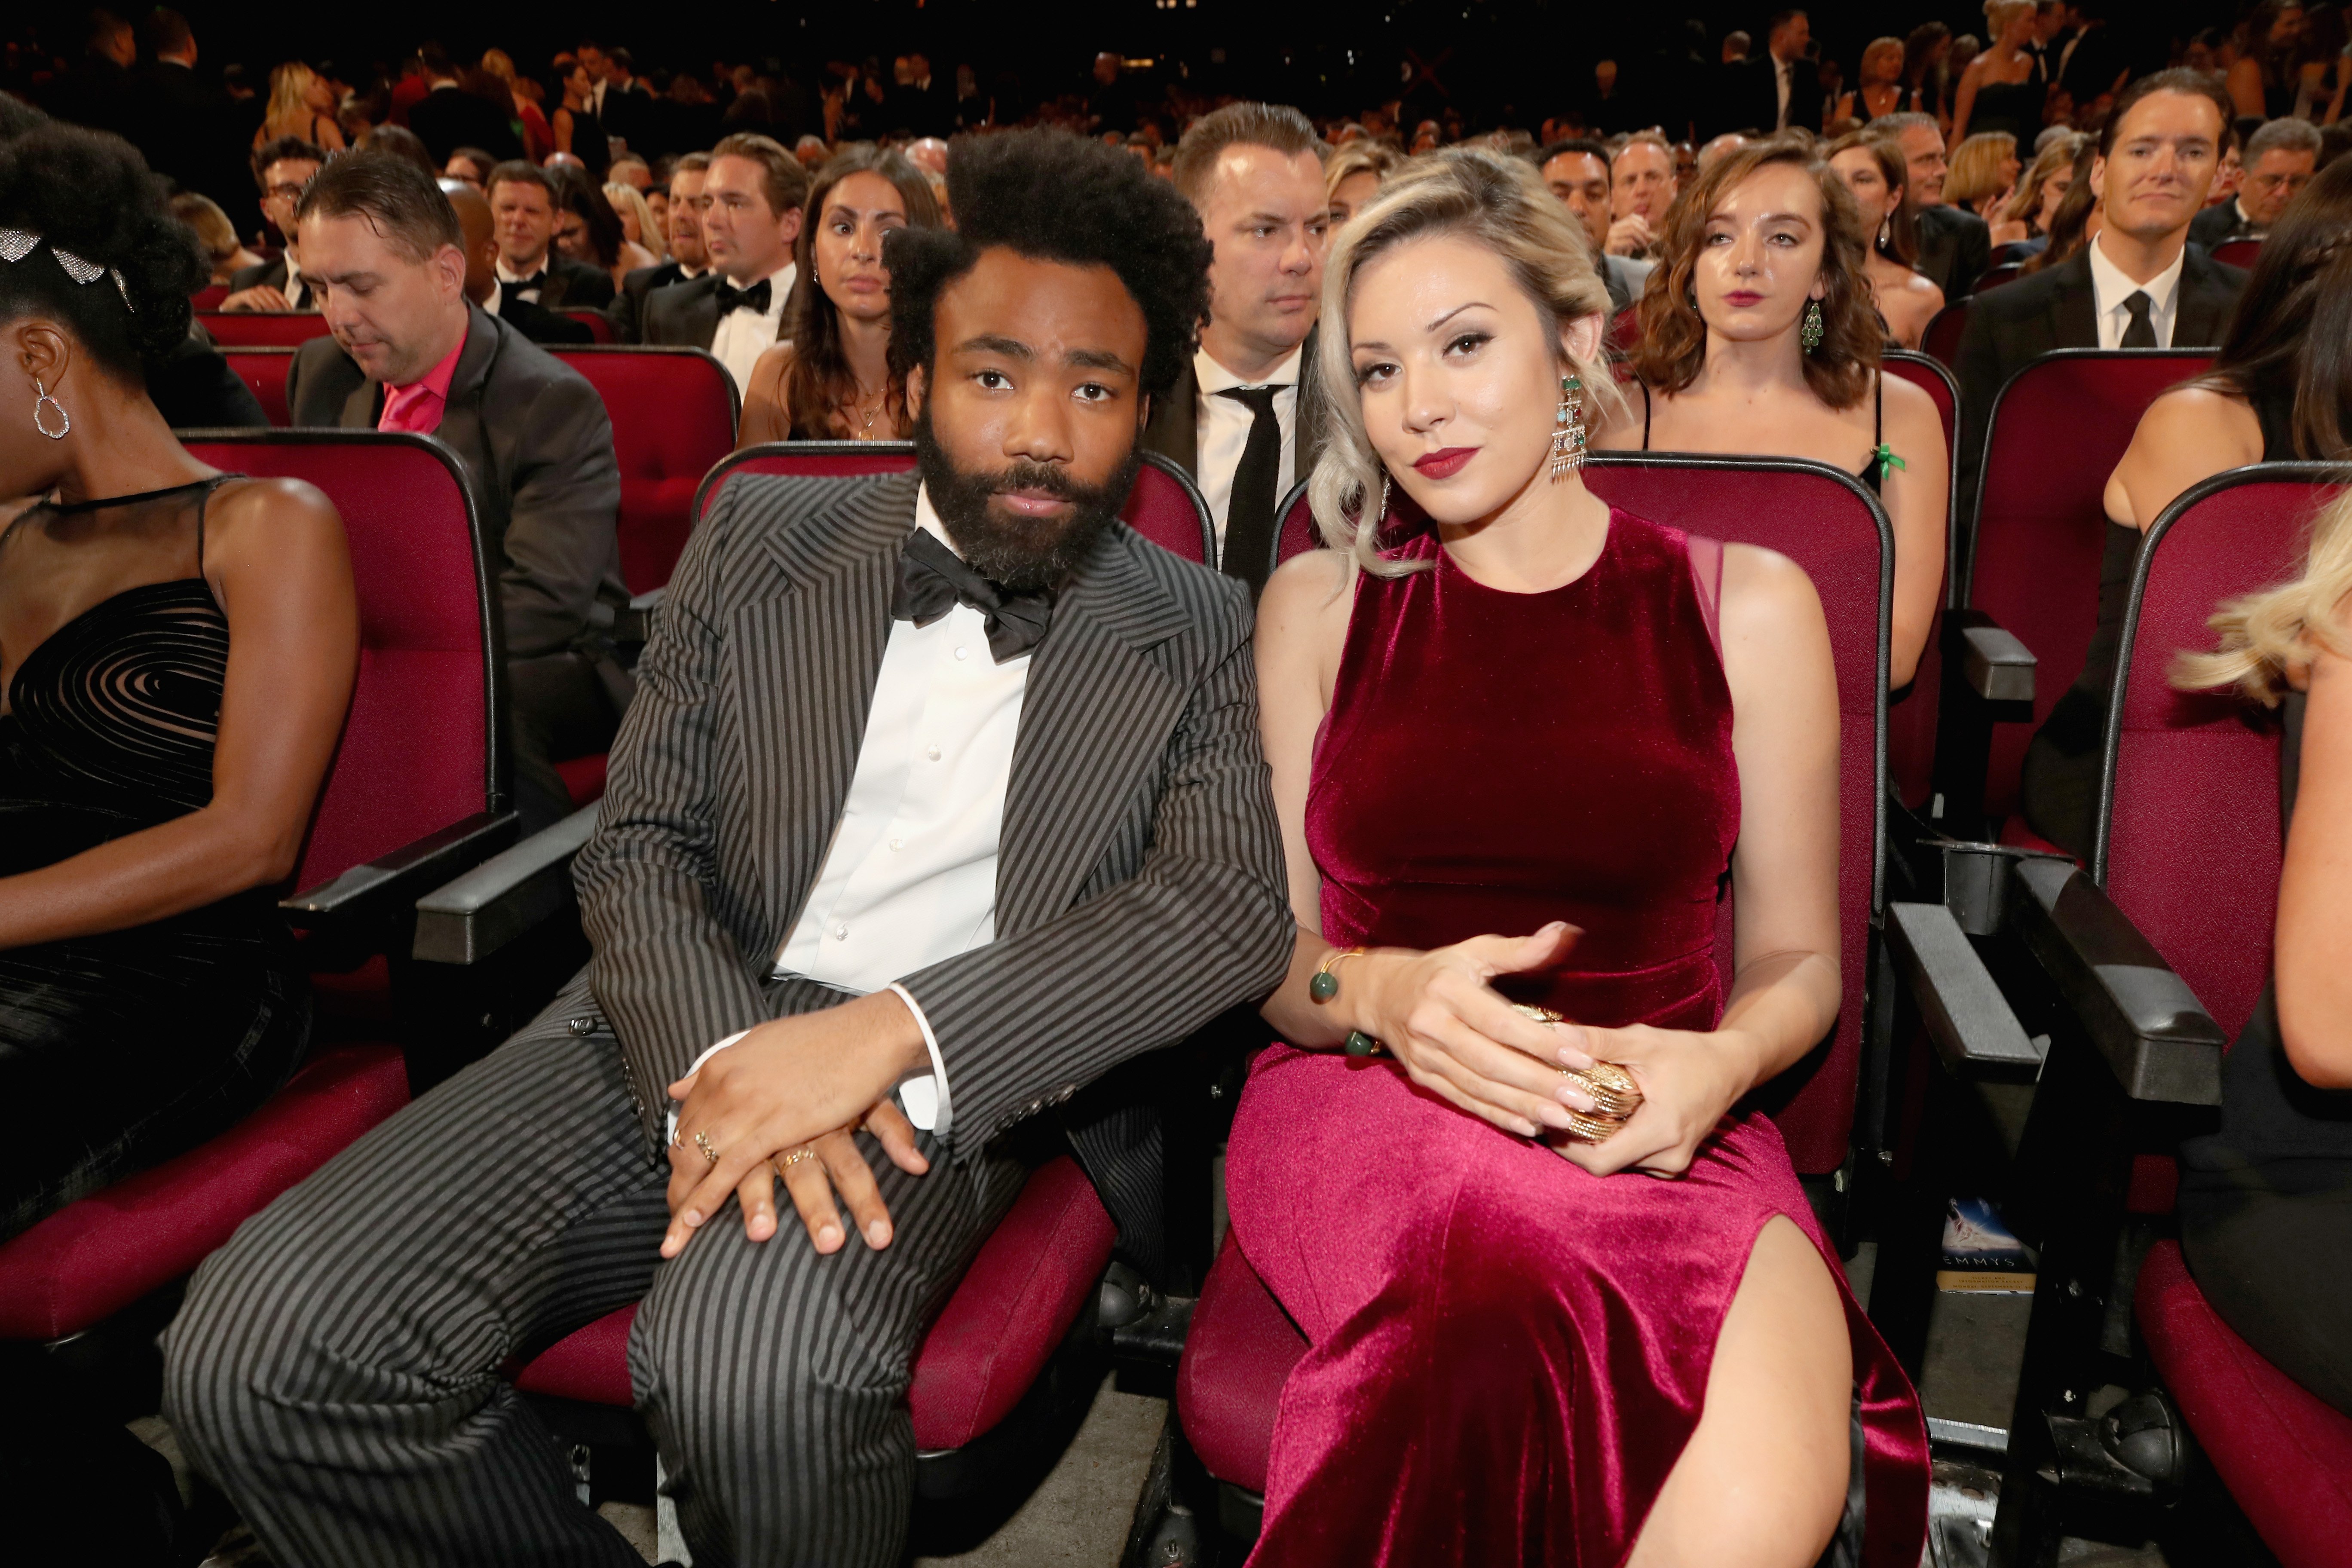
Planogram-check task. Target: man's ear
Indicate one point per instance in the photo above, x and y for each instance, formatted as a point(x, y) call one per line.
point(790, 225)
point(917, 383)
point(2099, 178)
point(449, 266)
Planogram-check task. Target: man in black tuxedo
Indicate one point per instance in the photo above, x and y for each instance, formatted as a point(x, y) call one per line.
point(2141, 283)
point(688, 258)
point(991, 984)
point(2280, 158)
point(281, 168)
point(188, 127)
point(479, 225)
point(1243, 417)
point(448, 117)
point(752, 196)
point(523, 199)
point(1955, 246)
point(620, 101)
point(1779, 89)
point(412, 352)
point(920, 104)
point(99, 90)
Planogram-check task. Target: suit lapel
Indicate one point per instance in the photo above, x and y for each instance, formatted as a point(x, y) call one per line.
point(2206, 300)
point(2073, 308)
point(1306, 414)
point(1096, 713)
point(813, 654)
point(1174, 431)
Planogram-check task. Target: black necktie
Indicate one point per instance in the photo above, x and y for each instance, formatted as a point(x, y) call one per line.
point(2141, 331)
point(1249, 514)
point(754, 299)
point(933, 580)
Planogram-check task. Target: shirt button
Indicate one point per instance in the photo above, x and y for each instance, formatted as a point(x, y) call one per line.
point(960, 653)
point(841, 933)
point(932, 753)
point(898, 844)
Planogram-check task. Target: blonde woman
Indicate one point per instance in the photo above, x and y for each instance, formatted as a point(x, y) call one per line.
point(2026, 215)
point(1999, 90)
point(1879, 92)
point(1513, 755)
point(1354, 176)
point(641, 232)
point(2266, 1200)
point(1983, 171)
point(302, 105)
point(226, 252)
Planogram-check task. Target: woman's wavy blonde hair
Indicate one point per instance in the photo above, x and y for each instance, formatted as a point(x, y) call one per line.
point(1490, 199)
point(1974, 168)
point(2270, 638)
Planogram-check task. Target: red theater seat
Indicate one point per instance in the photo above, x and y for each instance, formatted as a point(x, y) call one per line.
point(1023, 1292)
point(2057, 431)
point(2237, 252)
point(1911, 723)
point(209, 297)
point(600, 327)
point(1165, 506)
point(411, 799)
point(262, 329)
point(1237, 1356)
point(1941, 343)
point(263, 371)
point(1994, 277)
point(674, 414)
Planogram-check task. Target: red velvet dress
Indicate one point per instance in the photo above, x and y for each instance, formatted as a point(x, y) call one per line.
point(1508, 1355)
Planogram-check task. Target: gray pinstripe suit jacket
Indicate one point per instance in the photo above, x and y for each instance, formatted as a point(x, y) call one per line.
point(1140, 882)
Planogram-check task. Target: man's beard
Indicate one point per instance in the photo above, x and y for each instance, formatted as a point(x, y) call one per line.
point(1018, 553)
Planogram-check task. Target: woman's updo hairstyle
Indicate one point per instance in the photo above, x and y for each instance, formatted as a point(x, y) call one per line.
point(90, 195)
point(1490, 199)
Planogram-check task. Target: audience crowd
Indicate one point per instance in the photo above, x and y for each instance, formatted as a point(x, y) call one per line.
point(1734, 245)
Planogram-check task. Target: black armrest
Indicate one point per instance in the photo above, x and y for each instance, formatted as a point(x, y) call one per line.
point(1994, 664)
point(384, 888)
point(2157, 1037)
point(466, 921)
point(1966, 1014)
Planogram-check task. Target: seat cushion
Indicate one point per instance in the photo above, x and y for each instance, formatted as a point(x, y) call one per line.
point(1023, 1292)
point(1028, 1285)
point(583, 777)
point(92, 1258)
point(2285, 1454)
point(1237, 1355)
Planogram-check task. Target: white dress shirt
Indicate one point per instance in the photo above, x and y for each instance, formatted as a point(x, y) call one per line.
point(1224, 431)
point(742, 337)
point(911, 879)
point(2110, 288)
point(298, 294)
point(508, 278)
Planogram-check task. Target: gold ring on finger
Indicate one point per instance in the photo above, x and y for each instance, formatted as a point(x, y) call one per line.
point(794, 1157)
point(702, 1141)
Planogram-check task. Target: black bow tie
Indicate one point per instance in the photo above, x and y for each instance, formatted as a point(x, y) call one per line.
point(754, 299)
point(933, 580)
point(521, 285)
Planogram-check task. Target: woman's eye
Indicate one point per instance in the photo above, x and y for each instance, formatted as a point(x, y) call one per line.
point(1469, 342)
point(1378, 371)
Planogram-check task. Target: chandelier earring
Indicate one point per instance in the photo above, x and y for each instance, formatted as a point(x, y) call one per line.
point(1810, 334)
point(43, 399)
point(1568, 434)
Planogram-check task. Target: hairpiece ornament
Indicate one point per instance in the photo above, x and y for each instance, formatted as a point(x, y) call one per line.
point(15, 244)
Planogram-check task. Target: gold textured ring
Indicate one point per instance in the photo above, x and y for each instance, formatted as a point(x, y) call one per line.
point(702, 1141)
point(1615, 1096)
point(794, 1157)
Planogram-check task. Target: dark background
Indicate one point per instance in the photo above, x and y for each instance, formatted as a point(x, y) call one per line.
point(1527, 55)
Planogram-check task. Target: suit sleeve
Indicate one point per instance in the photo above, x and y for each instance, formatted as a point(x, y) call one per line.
point(666, 970)
point(1973, 257)
point(560, 540)
point(623, 313)
point(1024, 1020)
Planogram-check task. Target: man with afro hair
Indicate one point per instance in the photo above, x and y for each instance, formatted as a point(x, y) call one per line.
point(939, 811)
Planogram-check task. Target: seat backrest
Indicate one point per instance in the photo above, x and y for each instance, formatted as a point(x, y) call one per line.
point(600, 327)
point(209, 297)
point(1994, 277)
point(1942, 389)
point(1941, 341)
point(2237, 252)
point(1826, 522)
point(422, 747)
point(674, 415)
point(263, 371)
point(2189, 843)
point(1165, 506)
point(2058, 429)
point(262, 329)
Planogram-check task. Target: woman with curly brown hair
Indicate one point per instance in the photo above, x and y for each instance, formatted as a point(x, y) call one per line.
point(1759, 336)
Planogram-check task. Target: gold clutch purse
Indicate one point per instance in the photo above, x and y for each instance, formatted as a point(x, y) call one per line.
point(1612, 1088)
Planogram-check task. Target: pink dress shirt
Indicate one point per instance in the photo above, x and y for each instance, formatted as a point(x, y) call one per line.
point(418, 406)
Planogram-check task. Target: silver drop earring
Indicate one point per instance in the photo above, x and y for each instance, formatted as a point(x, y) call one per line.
point(1886, 232)
point(64, 420)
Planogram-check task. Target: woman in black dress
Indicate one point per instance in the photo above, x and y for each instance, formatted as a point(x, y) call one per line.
point(2280, 389)
point(177, 646)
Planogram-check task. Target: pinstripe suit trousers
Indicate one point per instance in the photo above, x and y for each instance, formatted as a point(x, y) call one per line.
point(337, 1366)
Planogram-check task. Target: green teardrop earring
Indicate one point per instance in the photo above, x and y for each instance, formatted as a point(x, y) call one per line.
point(1810, 335)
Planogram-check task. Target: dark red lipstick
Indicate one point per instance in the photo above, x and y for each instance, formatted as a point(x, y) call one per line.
point(1446, 463)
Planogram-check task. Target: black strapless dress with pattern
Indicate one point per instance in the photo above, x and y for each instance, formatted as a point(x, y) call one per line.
point(121, 1049)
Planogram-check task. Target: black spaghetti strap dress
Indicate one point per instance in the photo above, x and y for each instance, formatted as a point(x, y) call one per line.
point(120, 1049)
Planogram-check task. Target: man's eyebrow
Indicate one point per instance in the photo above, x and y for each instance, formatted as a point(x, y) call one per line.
point(1099, 359)
point(992, 343)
